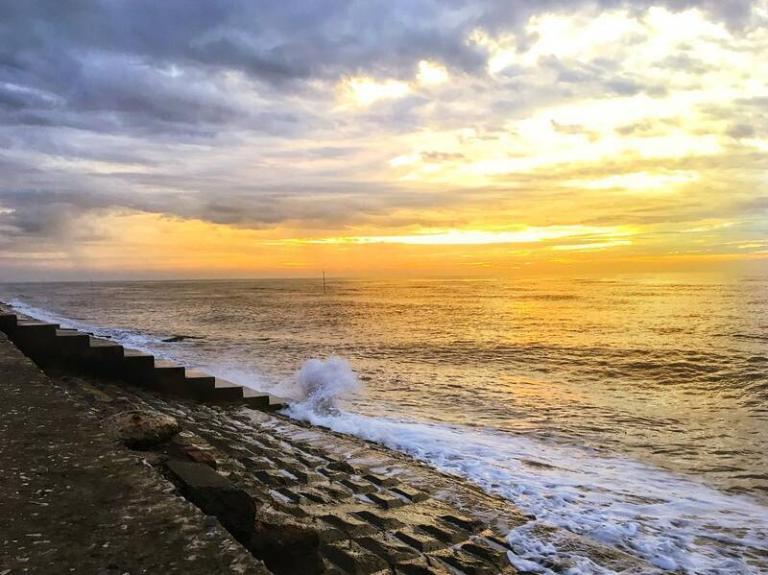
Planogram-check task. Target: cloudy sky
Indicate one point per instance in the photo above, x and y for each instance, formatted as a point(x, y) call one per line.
point(259, 138)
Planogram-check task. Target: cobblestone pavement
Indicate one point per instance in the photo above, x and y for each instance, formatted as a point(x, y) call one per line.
point(329, 503)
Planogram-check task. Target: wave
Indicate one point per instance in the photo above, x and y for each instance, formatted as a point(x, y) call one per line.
point(672, 521)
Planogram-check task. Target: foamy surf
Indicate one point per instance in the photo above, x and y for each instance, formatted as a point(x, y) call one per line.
point(670, 520)
point(674, 522)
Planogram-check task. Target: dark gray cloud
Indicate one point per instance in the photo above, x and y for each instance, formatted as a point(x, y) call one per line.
point(155, 90)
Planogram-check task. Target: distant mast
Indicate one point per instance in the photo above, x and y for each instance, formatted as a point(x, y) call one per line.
point(323, 281)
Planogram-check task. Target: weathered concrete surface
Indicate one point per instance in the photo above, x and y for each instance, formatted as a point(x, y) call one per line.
point(73, 501)
point(326, 503)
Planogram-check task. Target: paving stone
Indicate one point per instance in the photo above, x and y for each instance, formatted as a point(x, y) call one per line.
point(380, 521)
point(450, 536)
point(386, 515)
point(462, 521)
point(350, 524)
point(257, 463)
point(468, 564)
point(413, 494)
point(386, 500)
point(490, 552)
point(335, 493)
point(307, 477)
point(381, 480)
point(355, 559)
point(342, 466)
point(389, 549)
point(418, 540)
point(420, 568)
point(316, 496)
point(281, 498)
point(274, 477)
point(311, 461)
point(291, 496)
point(332, 474)
point(328, 533)
point(361, 487)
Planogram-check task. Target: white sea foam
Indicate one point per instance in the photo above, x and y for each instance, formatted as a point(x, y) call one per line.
point(672, 521)
point(323, 382)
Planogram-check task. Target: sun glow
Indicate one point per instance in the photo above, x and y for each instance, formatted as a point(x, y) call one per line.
point(431, 74)
point(364, 90)
point(523, 235)
point(637, 182)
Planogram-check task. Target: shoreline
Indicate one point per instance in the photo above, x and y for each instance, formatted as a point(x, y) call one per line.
point(348, 505)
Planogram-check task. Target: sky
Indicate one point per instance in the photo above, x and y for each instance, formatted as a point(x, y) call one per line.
point(252, 138)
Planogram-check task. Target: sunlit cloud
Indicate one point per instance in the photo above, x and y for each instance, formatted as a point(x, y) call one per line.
point(523, 235)
point(637, 182)
point(431, 74)
point(593, 246)
point(364, 90)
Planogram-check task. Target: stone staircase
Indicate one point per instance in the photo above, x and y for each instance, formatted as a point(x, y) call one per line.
point(50, 345)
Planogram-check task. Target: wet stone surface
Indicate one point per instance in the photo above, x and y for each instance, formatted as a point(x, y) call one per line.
point(73, 500)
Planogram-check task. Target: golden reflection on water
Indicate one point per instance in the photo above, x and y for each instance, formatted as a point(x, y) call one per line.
point(667, 369)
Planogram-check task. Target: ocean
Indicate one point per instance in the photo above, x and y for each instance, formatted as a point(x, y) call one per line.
point(632, 410)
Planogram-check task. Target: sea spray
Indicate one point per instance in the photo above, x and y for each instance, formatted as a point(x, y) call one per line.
point(323, 382)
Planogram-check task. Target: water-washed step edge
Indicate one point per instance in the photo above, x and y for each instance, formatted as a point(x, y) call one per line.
point(50, 345)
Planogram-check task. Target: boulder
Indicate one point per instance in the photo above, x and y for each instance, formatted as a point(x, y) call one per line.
point(143, 429)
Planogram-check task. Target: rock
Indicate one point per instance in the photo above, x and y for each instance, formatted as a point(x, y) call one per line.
point(215, 495)
point(143, 429)
point(177, 338)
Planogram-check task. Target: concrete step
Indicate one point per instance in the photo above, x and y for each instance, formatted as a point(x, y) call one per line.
point(169, 377)
point(104, 349)
point(35, 329)
point(8, 322)
point(200, 384)
point(103, 356)
point(70, 345)
point(263, 401)
point(50, 344)
point(255, 399)
point(72, 337)
point(35, 339)
point(277, 403)
point(138, 367)
point(225, 390)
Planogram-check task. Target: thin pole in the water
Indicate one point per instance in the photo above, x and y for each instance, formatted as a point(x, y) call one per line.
point(323, 281)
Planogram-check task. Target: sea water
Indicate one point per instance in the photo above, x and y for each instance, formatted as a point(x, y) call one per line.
point(631, 410)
